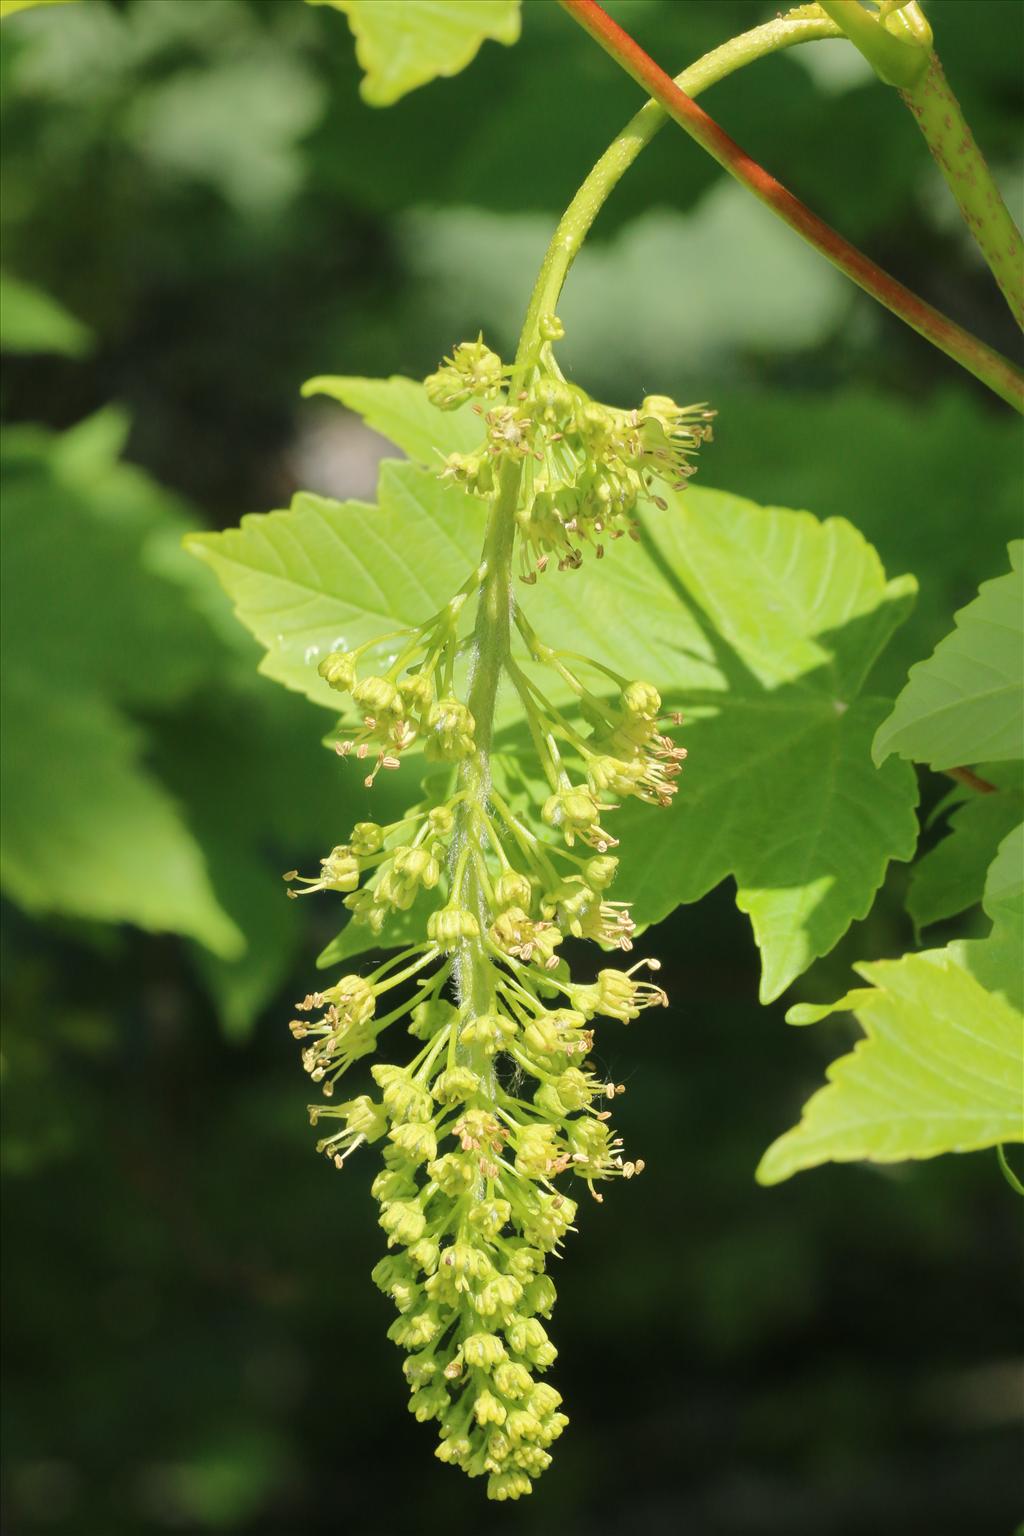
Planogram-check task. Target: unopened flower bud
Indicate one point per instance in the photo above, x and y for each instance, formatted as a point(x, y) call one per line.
point(419, 1369)
point(417, 865)
point(540, 1295)
point(513, 1380)
point(642, 700)
point(432, 1014)
point(390, 1272)
point(512, 889)
point(441, 820)
point(404, 1098)
point(544, 1399)
point(448, 926)
point(484, 1350)
point(377, 697)
point(430, 1402)
point(490, 1031)
point(508, 1485)
point(425, 1254)
point(416, 1139)
point(489, 1216)
point(417, 693)
point(600, 871)
point(454, 1173)
point(450, 728)
point(488, 1410)
point(455, 1085)
point(529, 1339)
point(338, 670)
point(367, 838)
point(413, 1330)
point(403, 1221)
point(572, 810)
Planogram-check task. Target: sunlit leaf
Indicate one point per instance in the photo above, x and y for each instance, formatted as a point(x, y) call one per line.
point(940, 1070)
point(403, 45)
point(942, 1067)
point(779, 790)
point(399, 410)
point(327, 574)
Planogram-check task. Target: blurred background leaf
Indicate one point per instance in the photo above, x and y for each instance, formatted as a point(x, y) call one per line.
point(30, 321)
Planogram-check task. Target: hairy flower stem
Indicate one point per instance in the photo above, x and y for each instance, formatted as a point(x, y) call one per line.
point(774, 36)
point(474, 971)
point(987, 365)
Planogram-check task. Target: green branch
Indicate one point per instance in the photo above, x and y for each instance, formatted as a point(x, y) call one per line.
point(915, 69)
point(897, 61)
point(997, 372)
point(967, 175)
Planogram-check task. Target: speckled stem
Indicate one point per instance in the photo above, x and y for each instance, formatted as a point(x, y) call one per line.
point(968, 177)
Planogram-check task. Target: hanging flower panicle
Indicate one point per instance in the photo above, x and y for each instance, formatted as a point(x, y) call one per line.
point(496, 1111)
point(587, 466)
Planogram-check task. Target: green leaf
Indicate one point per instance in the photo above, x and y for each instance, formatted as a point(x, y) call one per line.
point(908, 453)
point(32, 321)
point(779, 790)
point(951, 876)
point(940, 1070)
point(329, 574)
point(995, 960)
point(1004, 885)
point(399, 410)
point(86, 831)
point(965, 704)
point(402, 46)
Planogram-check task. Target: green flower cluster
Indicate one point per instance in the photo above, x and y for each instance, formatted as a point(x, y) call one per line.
point(585, 465)
point(412, 702)
point(496, 1106)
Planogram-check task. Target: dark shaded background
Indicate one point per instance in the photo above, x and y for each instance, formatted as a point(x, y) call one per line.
point(192, 1339)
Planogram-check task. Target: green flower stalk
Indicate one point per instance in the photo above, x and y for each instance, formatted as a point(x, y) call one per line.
point(496, 1111)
